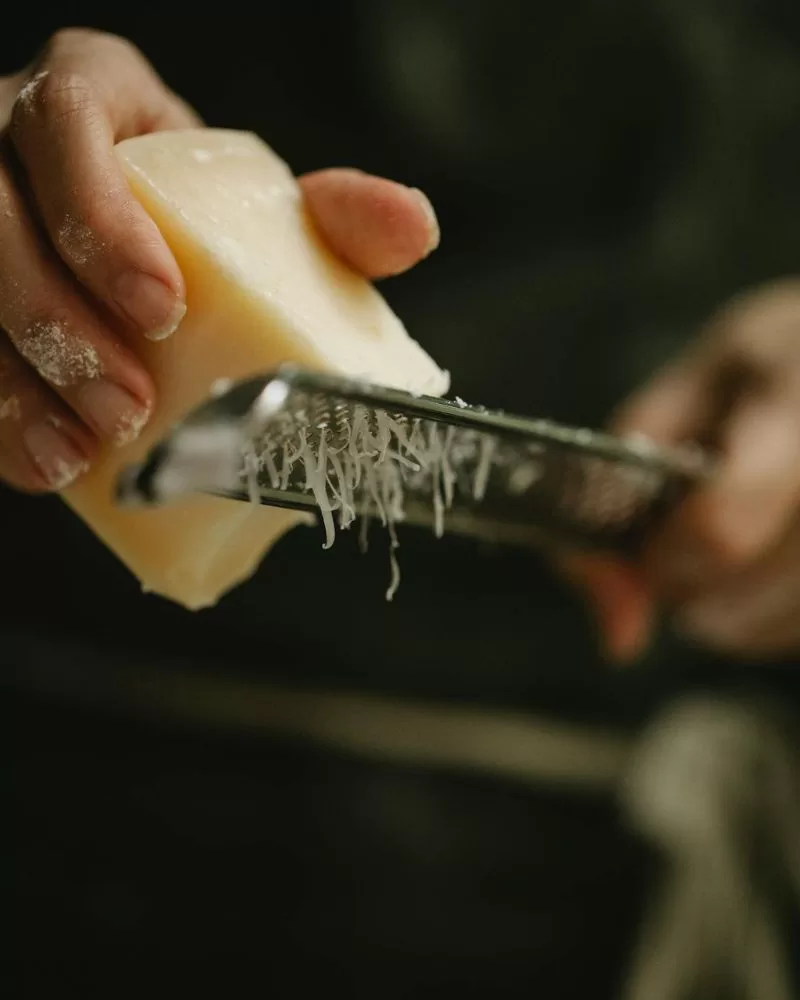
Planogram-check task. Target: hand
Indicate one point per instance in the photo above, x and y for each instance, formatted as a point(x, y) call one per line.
point(727, 564)
point(84, 271)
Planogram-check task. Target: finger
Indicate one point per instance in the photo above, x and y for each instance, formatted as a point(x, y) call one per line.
point(378, 226)
point(747, 504)
point(9, 88)
point(42, 445)
point(97, 90)
point(674, 407)
point(58, 333)
point(756, 612)
point(753, 496)
point(620, 600)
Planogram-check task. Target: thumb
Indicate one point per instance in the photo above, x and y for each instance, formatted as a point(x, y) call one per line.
point(667, 410)
point(619, 598)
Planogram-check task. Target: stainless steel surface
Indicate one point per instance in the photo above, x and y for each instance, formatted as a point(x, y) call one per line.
point(417, 459)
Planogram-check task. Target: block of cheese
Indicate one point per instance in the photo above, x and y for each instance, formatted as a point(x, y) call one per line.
point(262, 289)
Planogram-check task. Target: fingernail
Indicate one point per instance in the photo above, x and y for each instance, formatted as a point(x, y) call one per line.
point(150, 304)
point(113, 411)
point(435, 233)
point(54, 455)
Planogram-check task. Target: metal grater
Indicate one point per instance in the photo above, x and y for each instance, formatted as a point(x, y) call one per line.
point(416, 459)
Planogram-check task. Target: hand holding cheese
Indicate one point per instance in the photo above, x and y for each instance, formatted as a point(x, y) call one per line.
point(89, 288)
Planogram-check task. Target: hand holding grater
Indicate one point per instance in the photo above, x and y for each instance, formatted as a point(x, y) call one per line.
point(342, 449)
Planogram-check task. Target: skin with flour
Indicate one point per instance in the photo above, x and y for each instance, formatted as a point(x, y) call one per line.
point(84, 271)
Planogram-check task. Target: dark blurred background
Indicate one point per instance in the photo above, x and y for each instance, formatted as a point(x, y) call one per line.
point(605, 173)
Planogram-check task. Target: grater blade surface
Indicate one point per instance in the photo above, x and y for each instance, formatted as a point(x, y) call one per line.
point(343, 448)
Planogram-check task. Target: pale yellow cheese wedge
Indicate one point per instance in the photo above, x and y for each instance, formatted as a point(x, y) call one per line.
point(262, 289)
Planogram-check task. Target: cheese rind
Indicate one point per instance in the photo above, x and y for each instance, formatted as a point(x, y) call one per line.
point(261, 289)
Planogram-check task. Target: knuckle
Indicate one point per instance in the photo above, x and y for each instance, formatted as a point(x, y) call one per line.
point(99, 215)
point(77, 42)
point(55, 350)
point(69, 38)
point(92, 230)
point(77, 236)
point(64, 93)
point(50, 99)
point(44, 317)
